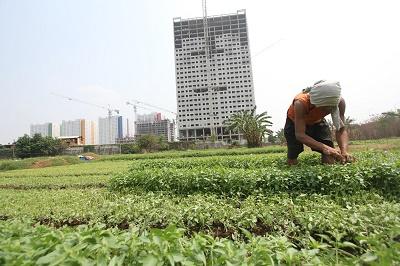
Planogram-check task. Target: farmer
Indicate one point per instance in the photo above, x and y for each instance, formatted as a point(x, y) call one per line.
point(305, 123)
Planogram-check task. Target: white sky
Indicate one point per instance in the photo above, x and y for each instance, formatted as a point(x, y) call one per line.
point(108, 52)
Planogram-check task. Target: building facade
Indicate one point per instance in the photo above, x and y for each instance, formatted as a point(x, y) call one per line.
point(110, 129)
point(46, 129)
point(158, 127)
point(80, 127)
point(73, 128)
point(90, 133)
point(213, 74)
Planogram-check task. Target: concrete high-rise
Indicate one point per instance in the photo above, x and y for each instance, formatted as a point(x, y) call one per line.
point(90, 133)
point(155, 124)
point(46, 129)
point(82, 128)
point(110, 129)
point(73, 128)
point(213, 74)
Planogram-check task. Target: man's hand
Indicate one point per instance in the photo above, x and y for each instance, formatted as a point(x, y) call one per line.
point(333, 152)
point(348, 158)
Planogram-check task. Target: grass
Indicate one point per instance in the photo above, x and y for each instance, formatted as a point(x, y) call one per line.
point(80, 169)
point(39, 162)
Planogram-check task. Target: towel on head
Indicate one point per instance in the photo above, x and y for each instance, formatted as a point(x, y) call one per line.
point(327, 93)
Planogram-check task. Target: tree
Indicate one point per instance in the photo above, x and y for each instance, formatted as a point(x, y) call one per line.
point(23, 147)
point(272, 138)
point(253, 127)
point(151, 143)
point(37, 145)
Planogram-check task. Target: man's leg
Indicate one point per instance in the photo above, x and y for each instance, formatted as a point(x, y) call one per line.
point(294, 147)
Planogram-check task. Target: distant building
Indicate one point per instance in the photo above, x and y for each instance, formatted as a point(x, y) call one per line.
point(55, 130)
point(154, 124)
point(213, 74)
point(80, 127)
point(46, 129)
point(73, 128)
point(90, 133)
point(110, 129)
point(148, 117)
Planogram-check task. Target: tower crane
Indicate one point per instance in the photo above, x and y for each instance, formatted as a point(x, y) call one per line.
point(136, 102)
point(139, 104)
point(109, 109)
point(135, 106)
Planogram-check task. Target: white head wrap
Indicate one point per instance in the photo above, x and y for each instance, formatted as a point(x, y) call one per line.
point(327, 93)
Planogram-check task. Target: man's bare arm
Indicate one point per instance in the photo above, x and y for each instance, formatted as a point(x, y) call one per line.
point(342, 137)
point(300, 131)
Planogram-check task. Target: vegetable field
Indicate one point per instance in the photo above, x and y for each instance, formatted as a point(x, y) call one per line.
point(220, 207)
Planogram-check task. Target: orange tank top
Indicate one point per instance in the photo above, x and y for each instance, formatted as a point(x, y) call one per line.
point(313, 114)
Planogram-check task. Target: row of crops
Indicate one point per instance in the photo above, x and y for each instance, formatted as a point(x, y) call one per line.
point(236, 207)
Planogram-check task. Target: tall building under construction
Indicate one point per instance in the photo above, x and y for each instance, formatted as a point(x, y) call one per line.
point(155, 124)
point(213, 74)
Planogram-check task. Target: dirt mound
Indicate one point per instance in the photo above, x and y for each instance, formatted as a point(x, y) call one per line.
point(42, 163)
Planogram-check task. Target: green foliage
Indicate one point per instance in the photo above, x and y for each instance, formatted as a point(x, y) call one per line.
point(37, 145)
point(215, 207)
point(130, 148)
point(72, 166)
point(20, 243)
point(195, 153)
point(40, 162)
point(272, 138)
point(253, 127)
point(276, 214)
point(258, 175)
point(5, 153)
point(150, 143)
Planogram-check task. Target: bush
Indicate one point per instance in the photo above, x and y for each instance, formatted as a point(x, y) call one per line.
point(5, 153)
point(151, 143)
point(130, 149)
point(37, 145)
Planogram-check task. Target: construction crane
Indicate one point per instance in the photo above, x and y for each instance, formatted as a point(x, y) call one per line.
point(138, 104)
point(109, 109)
point(135, 106)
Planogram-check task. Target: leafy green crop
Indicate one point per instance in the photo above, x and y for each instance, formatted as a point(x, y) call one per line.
point(22, 244)
point(81, 169)
point(196, 153)
point(342, 180)
point(214, 207)
point(278, 214)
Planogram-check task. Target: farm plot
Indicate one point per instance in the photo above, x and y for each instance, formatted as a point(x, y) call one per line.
point(231, 206)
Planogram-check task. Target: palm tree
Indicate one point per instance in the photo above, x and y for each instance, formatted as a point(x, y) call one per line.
point(252, 126)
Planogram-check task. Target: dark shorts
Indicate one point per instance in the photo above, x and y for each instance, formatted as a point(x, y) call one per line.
point(320, 132)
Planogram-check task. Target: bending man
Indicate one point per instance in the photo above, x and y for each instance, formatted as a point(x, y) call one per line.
point(305, 123)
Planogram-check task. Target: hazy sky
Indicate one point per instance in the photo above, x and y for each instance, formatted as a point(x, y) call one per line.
point(107, 52)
